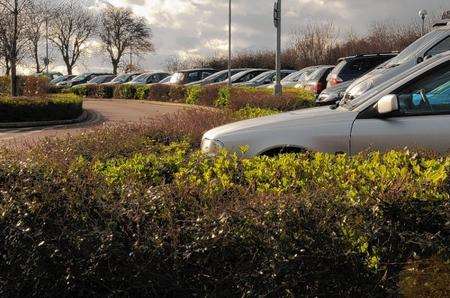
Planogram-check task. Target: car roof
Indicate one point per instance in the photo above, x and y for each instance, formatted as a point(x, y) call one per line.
point(375, 55)
point(196, 69)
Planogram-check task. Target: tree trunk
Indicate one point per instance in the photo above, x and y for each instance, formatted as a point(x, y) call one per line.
point(115, 65)
point(7, 67)
point(36, 58)
point(69, 67)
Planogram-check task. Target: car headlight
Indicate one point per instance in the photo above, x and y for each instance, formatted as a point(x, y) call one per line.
point(211, 147)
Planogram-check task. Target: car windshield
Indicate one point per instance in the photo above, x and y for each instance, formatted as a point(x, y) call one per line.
point(177, 78)
point(297, 76)
point(263, 77)
point(166, 80)
point(141, 78)
point(99, 79)
point(410, 52)
point(80, 77)
point(122, 78)
point(57, 80)
point(239, 75)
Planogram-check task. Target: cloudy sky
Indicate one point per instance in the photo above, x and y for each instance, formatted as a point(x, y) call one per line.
point(199, 27)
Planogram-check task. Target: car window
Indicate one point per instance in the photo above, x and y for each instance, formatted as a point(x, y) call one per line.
point(193, 76)
point(428, 94)
point(206, 74)
point(441, 47)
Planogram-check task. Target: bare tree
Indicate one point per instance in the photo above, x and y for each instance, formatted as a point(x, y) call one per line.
point(37, 17)
point(122, 31)
point(11, 31)
point(71, 28)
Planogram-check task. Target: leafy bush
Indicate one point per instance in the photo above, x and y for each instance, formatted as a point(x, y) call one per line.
point(223, 98)
point(193, 94)
point(136, 210)
point(105, 91)
point(85, 90)
point(56, 107)
point(177, 93)
point(159, 92)
point(125, 91)
point(142, 92)
point(249, 112)
point(27, 85)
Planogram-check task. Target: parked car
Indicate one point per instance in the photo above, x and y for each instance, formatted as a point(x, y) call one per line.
point(317, 81)
point(411, 110)
point(149, 78)
point(123, 78)
point(81, 79)
point(100, 80)
point(431, 44)
point(245, 76)
point(266, 78)
point(164, 81)
point(49, 75)
point(191, 75)
point(295, 78)
point(61, 79)
point(353, 67)
point(217, 77)
point(333, 94)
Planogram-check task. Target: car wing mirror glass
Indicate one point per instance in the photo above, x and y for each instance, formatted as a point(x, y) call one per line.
point(387, 104)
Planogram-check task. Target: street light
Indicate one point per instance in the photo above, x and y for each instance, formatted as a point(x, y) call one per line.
point(229, 43)
point(423, 15)
point(277, 23)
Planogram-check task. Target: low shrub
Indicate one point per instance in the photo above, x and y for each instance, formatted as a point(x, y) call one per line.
point(223, 97)
point(159, 92)
point(249, 112)
point(105, 91)
point(125, 91)
point(27, 85)
point(85, 90)
point(56, 107)
point(164, 220)
point(142, 92)
point(193, 94)
point(177, 93)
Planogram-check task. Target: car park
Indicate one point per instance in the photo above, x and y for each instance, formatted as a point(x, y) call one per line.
point(316, 82)
point(410, 110)
point(353, 67)
point(191, 75)
point(101, 80)
point(433, 43)
point(333, 94)
point(217, 77)
point(149, 78)
point(266, 78)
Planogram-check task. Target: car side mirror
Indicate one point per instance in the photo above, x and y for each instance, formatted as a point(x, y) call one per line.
point(387, 104)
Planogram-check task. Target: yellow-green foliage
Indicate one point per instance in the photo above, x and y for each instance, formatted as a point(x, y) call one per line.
point(251, 112)
point(355, 179)
point(154, 168)
point(193, 94)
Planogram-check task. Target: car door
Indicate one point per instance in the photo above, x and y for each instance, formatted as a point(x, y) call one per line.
point(422, 122)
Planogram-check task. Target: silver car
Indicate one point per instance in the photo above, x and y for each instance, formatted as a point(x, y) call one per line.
point(411, 110)
point(433, 43)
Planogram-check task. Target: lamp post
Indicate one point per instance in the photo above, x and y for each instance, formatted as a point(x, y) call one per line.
point(277, 23)
point(229, 43)
point(423, 15)
point(47, 59)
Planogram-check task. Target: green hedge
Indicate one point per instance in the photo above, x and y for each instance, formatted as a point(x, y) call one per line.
point(56, 107)
point(136, 210)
